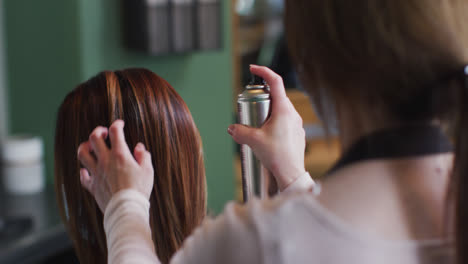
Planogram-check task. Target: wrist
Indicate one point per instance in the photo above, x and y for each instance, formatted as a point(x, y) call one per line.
point(122, 196)
point(287, 177)
point(304, 183)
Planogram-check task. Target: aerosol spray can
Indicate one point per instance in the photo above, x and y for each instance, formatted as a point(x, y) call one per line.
point(254, 109)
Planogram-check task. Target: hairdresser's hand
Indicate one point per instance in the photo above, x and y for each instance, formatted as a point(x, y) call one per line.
point(280, 143)
point(111, 170)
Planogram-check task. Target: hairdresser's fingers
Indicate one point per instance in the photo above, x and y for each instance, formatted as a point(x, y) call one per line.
point(85, 157)
point(143, 157)
point(98, 143)
point(86, 180)
point(117, 137)
point(245, 135)
point(139, 153)
point(277, 90)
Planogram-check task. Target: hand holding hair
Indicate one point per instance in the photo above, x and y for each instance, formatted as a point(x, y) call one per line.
point(280, 143)
point(109, 171)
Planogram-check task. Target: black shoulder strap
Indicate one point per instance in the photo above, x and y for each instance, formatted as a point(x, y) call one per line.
point(401, 142)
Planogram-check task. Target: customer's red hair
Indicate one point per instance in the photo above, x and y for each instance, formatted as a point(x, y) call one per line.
point(155, 115)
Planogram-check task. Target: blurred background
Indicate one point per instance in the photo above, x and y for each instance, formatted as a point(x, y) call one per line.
point(48, 47)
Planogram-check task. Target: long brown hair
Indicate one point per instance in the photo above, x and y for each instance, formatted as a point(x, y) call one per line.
point(384, 60)
point(156, 116)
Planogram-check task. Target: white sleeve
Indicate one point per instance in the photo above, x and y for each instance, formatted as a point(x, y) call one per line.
point(128, 233)
point(301, 184)
point(230, 238)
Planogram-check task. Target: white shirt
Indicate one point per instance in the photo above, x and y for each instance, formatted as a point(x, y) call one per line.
point(292, 228)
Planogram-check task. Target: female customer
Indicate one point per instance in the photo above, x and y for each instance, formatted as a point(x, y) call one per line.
point(393, 74)
point(157, 117)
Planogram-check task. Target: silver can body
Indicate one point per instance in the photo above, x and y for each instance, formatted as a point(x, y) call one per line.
point(254, 109)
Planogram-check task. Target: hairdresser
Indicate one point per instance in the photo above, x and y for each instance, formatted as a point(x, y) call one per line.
point(391, 74)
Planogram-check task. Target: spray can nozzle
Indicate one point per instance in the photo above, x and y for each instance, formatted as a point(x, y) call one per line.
point(257, 80)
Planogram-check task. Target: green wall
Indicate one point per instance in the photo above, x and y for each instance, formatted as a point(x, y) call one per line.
point(53, 44)
point(42, 65)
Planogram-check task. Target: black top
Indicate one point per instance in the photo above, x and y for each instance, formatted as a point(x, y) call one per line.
point(400, 142)
point(405, 141)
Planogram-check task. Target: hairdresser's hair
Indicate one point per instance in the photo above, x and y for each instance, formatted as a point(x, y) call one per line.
point(155, 115)
point(386, 60)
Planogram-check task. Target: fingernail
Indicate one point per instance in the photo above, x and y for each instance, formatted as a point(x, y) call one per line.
point(141, 146)
point(81, 174)
point(231, 129)
point(120, 121)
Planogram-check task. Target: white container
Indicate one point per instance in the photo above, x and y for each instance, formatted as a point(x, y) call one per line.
point(22, 164)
